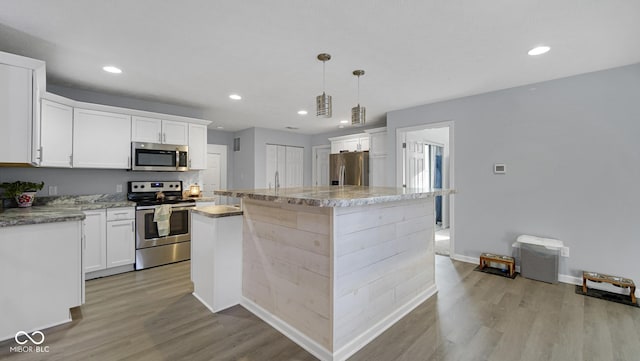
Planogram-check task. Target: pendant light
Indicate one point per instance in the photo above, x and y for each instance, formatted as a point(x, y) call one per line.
point(358, 113)
point(323, 102)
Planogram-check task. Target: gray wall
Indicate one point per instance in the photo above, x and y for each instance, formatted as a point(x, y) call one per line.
point(572, 154)
point(89, 96)
point(244, 160)
point(89, 181)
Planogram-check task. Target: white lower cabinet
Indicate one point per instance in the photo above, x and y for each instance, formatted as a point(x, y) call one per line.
point(95, 240)
point(109, 240)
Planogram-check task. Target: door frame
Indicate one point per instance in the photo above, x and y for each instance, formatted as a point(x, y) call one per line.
point(314, 160)
point(400, 136)
point(222, 150)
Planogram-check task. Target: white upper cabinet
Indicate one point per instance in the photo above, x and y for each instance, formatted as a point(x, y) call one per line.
point(152, 130)
point(197, 146)
point(146, 130)
point(56, 135)
point(16, 109)
point(350, 143)
point(175, 132)
point(101, 139)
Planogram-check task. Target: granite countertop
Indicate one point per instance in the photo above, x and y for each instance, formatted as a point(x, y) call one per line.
point(218, 211)
point(36, 215)
point(334, 196)
point(60, 209)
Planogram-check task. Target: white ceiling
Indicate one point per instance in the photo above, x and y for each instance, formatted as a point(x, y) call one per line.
point(195, 53)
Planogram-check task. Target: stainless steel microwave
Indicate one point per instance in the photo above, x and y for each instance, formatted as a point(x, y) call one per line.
point(159, 157)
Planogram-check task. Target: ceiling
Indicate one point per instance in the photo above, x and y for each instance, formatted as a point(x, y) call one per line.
point(195, 53)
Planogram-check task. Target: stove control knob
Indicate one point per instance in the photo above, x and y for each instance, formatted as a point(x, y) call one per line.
point(142, 186)
point(135, 187)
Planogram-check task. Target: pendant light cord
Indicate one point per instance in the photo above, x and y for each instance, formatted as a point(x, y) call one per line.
point(324, 88)
point(358, 90)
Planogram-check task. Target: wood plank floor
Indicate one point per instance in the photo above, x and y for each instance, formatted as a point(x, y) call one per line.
point(151, 315)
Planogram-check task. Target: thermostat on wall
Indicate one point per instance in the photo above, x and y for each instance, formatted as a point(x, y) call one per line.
point(499, 168)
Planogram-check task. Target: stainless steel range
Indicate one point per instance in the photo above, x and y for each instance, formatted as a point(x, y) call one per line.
point(153, 249)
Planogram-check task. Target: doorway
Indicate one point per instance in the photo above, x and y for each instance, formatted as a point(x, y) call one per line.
point(215, 176)
point(425, 160)
point(320, 170)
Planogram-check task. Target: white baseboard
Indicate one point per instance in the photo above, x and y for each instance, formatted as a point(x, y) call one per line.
point(203, 302)
point(109, 272)
point(44, 327)
point(289, 331)
point(366, 337)
point(467, 259)
point(352, 347)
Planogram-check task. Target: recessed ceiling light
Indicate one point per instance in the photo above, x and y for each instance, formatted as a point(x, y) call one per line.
point(235, 97)
point(112, 69)
point(344, 121)
point(292, 128)
point(219, 127)
point(302, 112)
point(539, 50)
point(340, 126)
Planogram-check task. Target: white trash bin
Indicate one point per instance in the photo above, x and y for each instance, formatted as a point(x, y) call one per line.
point(539, 257)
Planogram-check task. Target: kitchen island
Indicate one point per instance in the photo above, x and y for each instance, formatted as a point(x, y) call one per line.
point(333, 267)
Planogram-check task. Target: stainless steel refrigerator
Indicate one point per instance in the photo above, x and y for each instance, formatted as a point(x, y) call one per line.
point(349, 168)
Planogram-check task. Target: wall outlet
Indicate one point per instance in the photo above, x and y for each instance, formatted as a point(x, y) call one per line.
point(564, 252)
point(118, 188)
point(53, 190)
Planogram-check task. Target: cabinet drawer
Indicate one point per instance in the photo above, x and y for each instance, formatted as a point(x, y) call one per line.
point(116, 214)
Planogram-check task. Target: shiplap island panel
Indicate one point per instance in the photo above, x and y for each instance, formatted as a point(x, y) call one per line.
point(333, 267)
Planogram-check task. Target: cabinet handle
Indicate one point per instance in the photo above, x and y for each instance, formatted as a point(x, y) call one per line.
point(133, 227)
point(71, 160)
point(164, 137)
point(160, 137)
point(41, 153)
point(189, 163)
point(129, 162)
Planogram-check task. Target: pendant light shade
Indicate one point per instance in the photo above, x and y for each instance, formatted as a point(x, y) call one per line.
point(323, 102)
point(358, 113)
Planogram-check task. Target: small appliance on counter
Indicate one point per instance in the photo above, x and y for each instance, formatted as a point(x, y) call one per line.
point(152, 248)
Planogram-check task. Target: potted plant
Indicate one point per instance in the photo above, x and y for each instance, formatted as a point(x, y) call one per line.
point(22, 192)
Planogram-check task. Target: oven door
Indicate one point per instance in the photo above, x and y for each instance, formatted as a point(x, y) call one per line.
point(147, 230)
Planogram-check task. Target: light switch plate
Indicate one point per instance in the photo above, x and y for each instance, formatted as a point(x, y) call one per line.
point(564, 252)
point(53, 190)
point(499, 168)
point(118, 188)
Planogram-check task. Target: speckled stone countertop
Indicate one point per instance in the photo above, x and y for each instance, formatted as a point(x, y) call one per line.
point(60, 209)
point(36, 215)
point(334, 196)
point(218, 211)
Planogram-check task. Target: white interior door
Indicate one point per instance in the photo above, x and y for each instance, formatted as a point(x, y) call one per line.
point(294, 157)
point(215, 175)
point(415, 165)
point(321, 166)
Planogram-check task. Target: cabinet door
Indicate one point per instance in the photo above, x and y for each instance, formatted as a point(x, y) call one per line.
point(364, 143)
point(16, 108)
point(121, 248)
point(175, 132)
point(378, 144)
point(294, 167)
point(101, 139)
point(56, 134)
point(351, 144)
point(337, 146)
point(197, 146)
point(95, 241)
point(147, 130)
